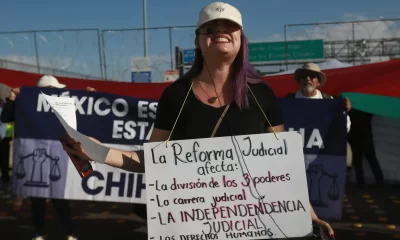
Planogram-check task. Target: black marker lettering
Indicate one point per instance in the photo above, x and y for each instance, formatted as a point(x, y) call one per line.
point(176, 154)
point(248, 138)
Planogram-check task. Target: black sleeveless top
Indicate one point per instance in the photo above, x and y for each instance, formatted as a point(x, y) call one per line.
point(198, 120)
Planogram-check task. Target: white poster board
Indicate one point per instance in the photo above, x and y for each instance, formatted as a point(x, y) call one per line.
point(199, 187)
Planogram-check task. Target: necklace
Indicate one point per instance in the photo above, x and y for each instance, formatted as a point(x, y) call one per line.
point(210, 100)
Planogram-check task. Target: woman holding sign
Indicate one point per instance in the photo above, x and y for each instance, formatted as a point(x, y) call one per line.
point(220, 85)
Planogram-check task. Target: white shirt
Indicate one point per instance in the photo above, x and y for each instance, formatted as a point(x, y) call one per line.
point(299, 94)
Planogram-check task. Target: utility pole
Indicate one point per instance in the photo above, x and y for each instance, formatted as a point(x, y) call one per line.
point(145, 27)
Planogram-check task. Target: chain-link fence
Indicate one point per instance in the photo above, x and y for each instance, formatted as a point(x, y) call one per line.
point(33, 68)
point(69, 53)
point(355, 42)
point(115, 54)
point(125, 51)
point(125, 55)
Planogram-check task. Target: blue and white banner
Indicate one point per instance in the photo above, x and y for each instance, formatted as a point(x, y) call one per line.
point(42, 168)
point(322, 125)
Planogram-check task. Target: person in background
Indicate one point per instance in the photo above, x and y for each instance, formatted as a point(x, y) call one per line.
point(310, 79)
point(5, 138)
point(362, 144)
point(220, 84)
point(38, 205)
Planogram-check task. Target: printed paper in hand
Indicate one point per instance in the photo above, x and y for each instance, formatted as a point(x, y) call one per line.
point(64, 108)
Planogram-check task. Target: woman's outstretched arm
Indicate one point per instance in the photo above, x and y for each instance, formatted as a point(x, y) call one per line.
point(132, 161)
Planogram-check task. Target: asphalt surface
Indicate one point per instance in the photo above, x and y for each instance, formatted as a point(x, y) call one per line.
point(370, 213)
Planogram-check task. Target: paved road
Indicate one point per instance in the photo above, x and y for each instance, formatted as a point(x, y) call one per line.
point(368, 214)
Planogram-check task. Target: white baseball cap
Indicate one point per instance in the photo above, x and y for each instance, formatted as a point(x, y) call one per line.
point(49, 81)
point(219, 10)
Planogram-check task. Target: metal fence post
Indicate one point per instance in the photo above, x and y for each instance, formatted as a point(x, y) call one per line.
point(104, 55)
point(100, 55)
point(36, 52)
point(353, 50)
point(170, 47)
point(286, 48)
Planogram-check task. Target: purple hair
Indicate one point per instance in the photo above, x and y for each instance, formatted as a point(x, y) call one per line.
point(243, 72)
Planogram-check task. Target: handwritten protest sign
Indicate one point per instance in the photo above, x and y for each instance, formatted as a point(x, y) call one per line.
point(243, 187)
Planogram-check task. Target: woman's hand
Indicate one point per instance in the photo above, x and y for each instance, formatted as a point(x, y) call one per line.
point(322, 224)
point(325, 227)
point(75, 148)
